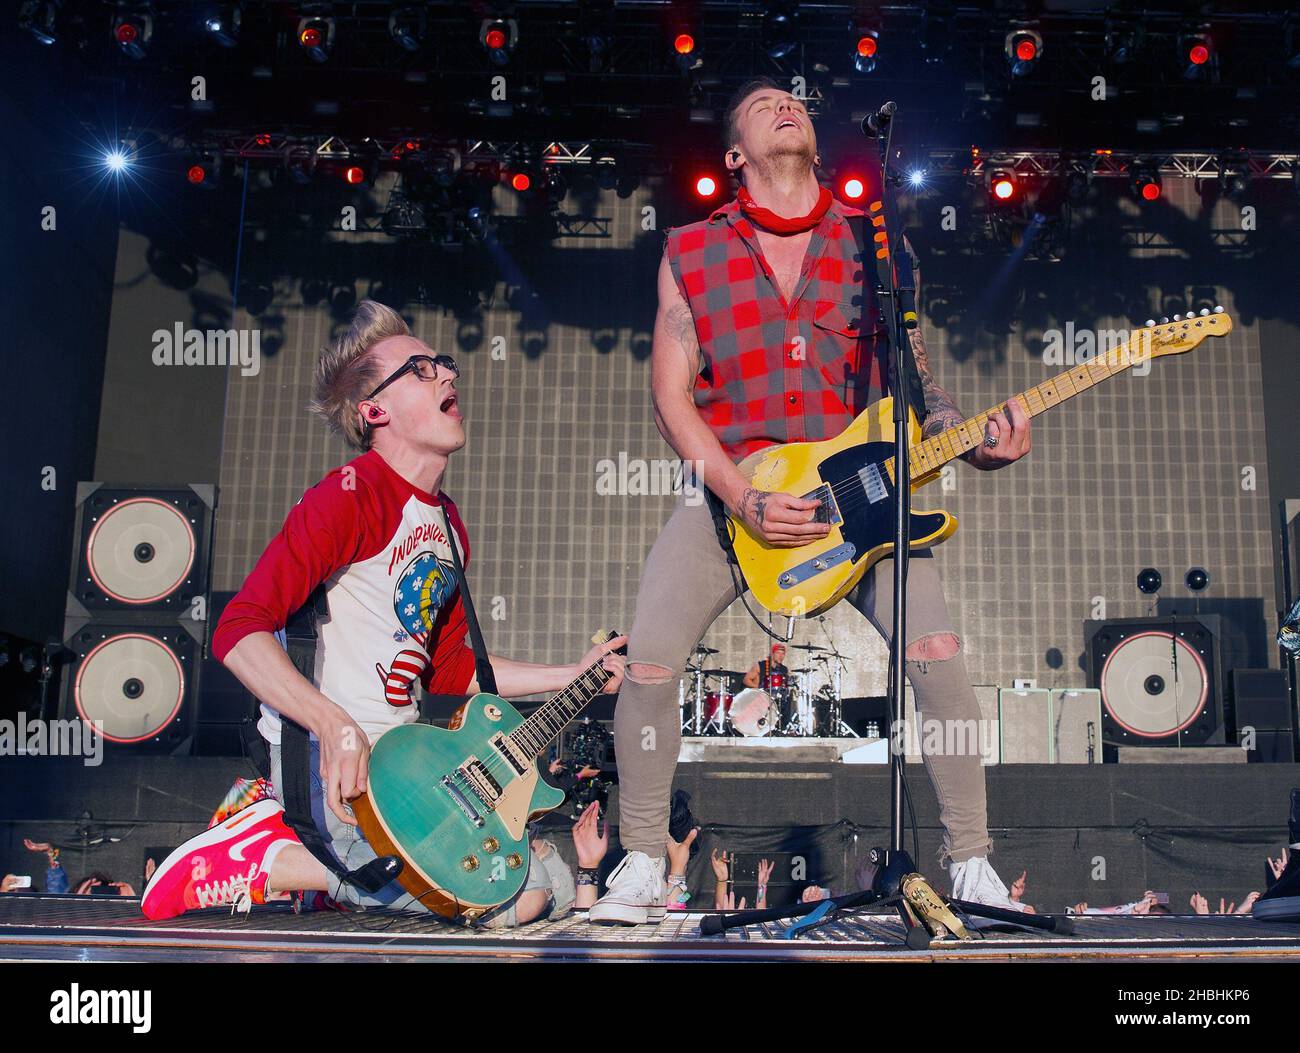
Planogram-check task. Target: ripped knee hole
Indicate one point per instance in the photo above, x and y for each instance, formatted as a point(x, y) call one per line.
point(648, 673)
point(934, 647)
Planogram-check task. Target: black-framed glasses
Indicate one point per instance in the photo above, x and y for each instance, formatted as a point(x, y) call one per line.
point(423, 366)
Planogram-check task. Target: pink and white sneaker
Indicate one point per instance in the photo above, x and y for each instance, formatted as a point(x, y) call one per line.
point(227, 864)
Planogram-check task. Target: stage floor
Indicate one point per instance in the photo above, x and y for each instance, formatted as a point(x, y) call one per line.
point(93, 929)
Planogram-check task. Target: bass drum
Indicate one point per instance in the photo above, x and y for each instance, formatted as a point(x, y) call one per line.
point(754, 713)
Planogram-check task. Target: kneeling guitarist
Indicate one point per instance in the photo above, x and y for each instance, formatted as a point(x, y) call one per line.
point(374, 534)
point(761, 339)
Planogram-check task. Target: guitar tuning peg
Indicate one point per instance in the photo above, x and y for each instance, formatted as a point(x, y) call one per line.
point(1178, 318)
point(1218, 310)
point(1204, 311)
point(1150, 322)
point(1164, 320)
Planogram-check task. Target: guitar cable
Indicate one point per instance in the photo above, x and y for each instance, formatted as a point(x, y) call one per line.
point(725, 528)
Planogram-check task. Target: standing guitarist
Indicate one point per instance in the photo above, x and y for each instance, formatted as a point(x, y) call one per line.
point(761, 339)
point(373, 533)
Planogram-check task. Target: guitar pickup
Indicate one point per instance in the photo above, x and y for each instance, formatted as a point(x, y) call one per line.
point(480, 782)
point(500, 744)
point(873, 483)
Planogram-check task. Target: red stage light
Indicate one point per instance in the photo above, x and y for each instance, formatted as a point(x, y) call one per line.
point(1150, 191)
point(354, 175)
point(125, 33)
point(1026, 50)
point(867, 46)
point(520, 181)
point(852, 188)
point(495, 39)
point(196, 174)
point(262, 139)
point(1199, 54)
point(684, 44)
point(706, 186)
point(1003, 188)
point(310, 37)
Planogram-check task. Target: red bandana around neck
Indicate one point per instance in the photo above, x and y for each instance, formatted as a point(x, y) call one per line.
point(769, 220)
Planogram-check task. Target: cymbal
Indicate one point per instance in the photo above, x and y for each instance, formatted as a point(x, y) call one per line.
point(706, 650)
point(808, 647)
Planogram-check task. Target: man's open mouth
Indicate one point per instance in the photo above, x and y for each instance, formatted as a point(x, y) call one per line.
point(448, 406)
point(788, 122)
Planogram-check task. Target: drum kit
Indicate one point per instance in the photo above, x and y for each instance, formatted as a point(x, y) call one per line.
point(717, 702)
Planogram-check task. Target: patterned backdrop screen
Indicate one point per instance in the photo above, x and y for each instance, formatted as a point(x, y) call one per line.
point(565, 481)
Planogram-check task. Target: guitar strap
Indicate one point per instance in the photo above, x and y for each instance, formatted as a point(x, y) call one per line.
point(487, 680)
point(906, 272)
point(295, 794)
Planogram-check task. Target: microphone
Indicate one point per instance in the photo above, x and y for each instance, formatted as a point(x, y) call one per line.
point(874, 124)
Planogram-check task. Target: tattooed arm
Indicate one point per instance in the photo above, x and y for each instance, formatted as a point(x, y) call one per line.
point(675, 363)
point(941, 412)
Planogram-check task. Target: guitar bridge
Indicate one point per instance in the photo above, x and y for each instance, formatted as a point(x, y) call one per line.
point(462, 801)
point(828, 511)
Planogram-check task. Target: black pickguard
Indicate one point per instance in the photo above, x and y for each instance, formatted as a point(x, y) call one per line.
point(867, 525)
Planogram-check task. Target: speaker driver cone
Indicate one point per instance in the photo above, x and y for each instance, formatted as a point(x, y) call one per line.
point(141, 550)
point(133, 683)
point(1149, 695)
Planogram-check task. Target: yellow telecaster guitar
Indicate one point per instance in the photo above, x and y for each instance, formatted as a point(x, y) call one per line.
point(853, 476)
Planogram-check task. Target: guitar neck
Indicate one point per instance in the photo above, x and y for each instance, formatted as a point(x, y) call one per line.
point(536, 733)
point(931, 454)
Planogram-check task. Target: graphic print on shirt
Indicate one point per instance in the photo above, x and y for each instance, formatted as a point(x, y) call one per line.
point(425, 584)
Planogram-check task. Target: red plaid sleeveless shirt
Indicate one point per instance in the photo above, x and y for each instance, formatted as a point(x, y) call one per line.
point(776, 372)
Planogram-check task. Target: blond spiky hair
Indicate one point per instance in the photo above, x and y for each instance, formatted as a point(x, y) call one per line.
point(346, 372)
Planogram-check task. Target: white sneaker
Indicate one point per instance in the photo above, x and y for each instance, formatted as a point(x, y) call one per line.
point(975, 881)
point(635, 893)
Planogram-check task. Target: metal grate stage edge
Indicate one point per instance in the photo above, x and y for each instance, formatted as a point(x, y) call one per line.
point(92, 929)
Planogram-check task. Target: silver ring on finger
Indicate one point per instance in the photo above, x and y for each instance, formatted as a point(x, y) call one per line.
point(990, 441)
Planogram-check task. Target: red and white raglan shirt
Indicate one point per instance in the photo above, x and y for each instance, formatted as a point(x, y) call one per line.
point(395, 613)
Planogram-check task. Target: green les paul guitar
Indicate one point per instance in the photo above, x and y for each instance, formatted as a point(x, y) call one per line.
point(454, 804)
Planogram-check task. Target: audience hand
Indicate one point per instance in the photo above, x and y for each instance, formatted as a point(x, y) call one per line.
point(589, 841)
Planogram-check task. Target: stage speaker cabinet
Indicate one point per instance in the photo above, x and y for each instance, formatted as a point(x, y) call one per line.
point(136, 614)
point(1076, 726)
point(1262, 705)
point(1159, 680)
point(1025, 725)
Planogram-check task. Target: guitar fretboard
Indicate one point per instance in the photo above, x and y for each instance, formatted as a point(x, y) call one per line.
point(931, 454)
point(536, 733)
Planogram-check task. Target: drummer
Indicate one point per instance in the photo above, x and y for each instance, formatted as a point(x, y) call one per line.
point(769, 673)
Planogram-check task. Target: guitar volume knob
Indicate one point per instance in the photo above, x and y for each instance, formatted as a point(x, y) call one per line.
point(469, 864)
point(490, 844)
point(514, 860)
